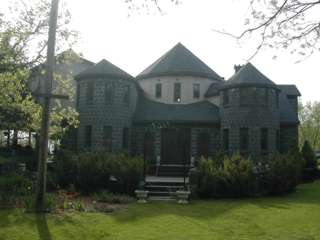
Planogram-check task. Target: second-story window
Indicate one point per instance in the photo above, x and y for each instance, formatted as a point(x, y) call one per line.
point(126, 96)
point(90, 91)
point(177, 92)
point(196, 90)
point(264, 139)
point(158, 90)
point(109, 93)
point(244, 140)
point(88, 136)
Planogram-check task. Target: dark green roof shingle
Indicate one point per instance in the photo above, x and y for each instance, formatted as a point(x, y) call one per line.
point(287, 113)
point(104, 68)
point(289, 90)
point(179, 61)
point(249, 75)
point(150, 111)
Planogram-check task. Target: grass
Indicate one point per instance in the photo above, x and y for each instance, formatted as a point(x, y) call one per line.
point(291, 217)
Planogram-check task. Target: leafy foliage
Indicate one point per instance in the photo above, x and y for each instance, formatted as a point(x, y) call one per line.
point(23, 42)
point(308, 155)
point(236, 176)
point(287, 24)
point(309, 129)
point(91, 172)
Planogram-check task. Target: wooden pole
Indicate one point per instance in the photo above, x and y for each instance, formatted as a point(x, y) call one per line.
point(44, 133)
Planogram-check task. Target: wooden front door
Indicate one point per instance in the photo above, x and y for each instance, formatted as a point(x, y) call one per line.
point(175, 146)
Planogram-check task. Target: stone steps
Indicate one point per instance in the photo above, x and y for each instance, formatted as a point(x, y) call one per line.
point(164, 188)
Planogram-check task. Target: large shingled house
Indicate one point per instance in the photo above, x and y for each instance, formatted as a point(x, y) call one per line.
point(179, 109)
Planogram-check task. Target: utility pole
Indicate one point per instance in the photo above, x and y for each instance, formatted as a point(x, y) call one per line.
point(44, 134)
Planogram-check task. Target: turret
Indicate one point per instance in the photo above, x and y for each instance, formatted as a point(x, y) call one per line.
point(106, 101)
point(249, 113)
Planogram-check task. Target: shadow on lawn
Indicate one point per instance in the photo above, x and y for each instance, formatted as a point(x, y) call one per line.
point(42, 226)
point(209, 209)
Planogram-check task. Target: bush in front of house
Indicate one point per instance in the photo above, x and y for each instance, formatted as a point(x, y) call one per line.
point(310, 171)
point(236, 176)
point(231, 177)
point(94, 171)
point(14, 186)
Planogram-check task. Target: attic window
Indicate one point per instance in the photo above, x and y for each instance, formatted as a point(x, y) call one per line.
point(177, 92)
point(196, 90)
point(158, 90)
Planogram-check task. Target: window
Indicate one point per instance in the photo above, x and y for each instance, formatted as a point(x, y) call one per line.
point(88, 136)
point(109, 93)
point(125, 138)
point(244, 139)
point(225, 138)
point(264, 139)
point(78, 95)
point(90, 90)
point(177, 92)
point(196, 90)
point(225, 96)
point(253, 96)
point(203, 144)
point(107, 138)
point(158, 90)
point(126, 97)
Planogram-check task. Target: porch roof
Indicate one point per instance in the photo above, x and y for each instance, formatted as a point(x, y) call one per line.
point(201, 112)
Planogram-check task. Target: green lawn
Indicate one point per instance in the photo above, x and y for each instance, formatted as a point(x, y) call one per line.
point(296, 216)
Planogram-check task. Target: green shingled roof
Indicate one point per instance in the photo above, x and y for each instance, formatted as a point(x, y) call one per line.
point(248, 75)
point(150, 111)
point(104, 69)
point(289, 90)
point(179, 61)
point(287, 114)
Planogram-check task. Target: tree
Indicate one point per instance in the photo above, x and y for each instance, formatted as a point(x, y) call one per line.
point(293, 25)
point(23, 42)
point(308, 155)
point(309, 129)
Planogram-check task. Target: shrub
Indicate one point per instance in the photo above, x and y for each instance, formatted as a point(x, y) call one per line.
point(51, 202)
point(236, 176)
point(308, 155)
point(92, 171)
point(108, 197)
point(232, 177)
point(284, 172)
point(64, 168)
point(14, 186)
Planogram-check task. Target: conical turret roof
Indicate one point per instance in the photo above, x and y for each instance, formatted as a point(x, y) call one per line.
point(104, 68)
point(248, 75)
point(179, 61)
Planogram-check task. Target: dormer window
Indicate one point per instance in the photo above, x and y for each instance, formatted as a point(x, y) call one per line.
point(196, 90)
point(158, 90)
point(177, 92)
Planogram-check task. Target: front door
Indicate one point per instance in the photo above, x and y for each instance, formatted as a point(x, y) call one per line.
point(175, 146)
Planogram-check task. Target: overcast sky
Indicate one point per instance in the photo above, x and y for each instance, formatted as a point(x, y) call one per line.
point(133, 41)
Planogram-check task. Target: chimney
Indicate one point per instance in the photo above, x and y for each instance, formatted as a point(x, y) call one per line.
point(237, 67)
